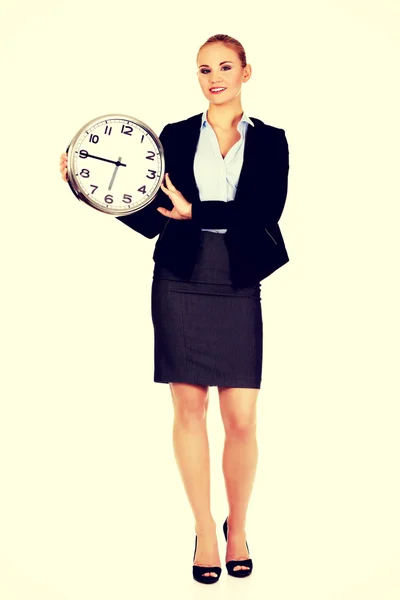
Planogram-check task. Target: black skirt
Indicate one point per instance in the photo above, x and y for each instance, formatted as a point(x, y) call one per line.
point(206, 331)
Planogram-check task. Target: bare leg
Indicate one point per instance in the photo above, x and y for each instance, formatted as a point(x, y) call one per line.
point(192, 455)
point(240, 456)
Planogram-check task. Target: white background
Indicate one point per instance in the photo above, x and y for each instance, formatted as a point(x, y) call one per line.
point(91, 501)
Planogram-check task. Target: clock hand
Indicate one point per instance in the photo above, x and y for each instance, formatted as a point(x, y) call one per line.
point(105, 159)
point(118, 163)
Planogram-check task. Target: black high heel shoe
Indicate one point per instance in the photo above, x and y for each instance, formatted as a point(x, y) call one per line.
point(199, 572)
point(231, 564)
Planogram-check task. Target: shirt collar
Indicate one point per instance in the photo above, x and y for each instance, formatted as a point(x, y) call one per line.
point(244, 119)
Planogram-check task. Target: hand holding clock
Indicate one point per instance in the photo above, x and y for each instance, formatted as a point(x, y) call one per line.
point(63, 166)
point(182, 208)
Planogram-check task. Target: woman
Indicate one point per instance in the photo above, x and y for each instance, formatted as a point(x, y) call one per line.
point(215, 247)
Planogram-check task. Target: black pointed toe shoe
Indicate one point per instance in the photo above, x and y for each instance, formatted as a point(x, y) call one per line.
point(231, 564)
point(199, 572)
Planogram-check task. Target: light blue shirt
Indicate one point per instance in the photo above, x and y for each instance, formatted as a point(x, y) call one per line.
point(217, 177)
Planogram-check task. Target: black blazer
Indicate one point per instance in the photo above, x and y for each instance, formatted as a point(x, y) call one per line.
point(253, 237)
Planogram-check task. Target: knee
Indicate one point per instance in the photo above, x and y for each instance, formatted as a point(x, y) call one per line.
point(190, 403)
point(240, 425)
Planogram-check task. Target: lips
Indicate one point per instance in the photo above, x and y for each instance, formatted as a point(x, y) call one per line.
point(217, 88)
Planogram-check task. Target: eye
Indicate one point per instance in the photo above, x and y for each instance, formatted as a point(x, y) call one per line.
point(208, 70)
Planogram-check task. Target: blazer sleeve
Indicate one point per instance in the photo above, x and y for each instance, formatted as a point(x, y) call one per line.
point(275, 186)
point(148, 221)
point(213, 214)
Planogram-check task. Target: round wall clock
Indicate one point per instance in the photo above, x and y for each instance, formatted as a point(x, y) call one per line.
point(115, 164)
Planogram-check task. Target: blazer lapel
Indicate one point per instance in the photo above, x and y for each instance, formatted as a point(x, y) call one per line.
point(248, 163)
point(192, 133)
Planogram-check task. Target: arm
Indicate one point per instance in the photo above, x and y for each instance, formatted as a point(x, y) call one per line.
point(148, 221)
point(275, 187)
point(213, 214)
point(277, 184)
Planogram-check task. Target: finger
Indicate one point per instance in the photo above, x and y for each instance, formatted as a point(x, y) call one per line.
point(164, 188)
point(164, 211)
point(169, 182)
point(166, 191)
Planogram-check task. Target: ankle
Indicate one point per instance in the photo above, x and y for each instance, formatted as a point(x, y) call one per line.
point(208, 526)
point(235, 527)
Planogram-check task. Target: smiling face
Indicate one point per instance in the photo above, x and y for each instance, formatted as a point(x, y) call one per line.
point(220, 66)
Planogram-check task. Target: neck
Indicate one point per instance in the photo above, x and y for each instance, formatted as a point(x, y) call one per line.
point(224, 117)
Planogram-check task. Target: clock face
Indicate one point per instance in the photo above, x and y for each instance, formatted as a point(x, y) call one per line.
point(116, 164)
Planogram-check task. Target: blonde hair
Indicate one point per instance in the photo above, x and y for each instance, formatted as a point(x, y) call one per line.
point(230, 42)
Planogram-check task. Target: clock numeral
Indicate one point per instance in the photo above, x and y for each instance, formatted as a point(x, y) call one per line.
point(93, 138)
point(141, 141)
point(142, 189)
point(108, 130)
point(152, 155)
point(83, 153)
point(95, 187)
point(127, 129)
point(153, 173)
point(129, 198)
point(85, 173)
point(109, 199)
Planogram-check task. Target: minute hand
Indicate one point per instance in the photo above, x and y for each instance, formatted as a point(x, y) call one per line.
point(114, 162)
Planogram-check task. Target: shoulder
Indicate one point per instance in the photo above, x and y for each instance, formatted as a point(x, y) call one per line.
point(174, 128)
point(185, 123)
point(266, 127)
point(273, 136)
